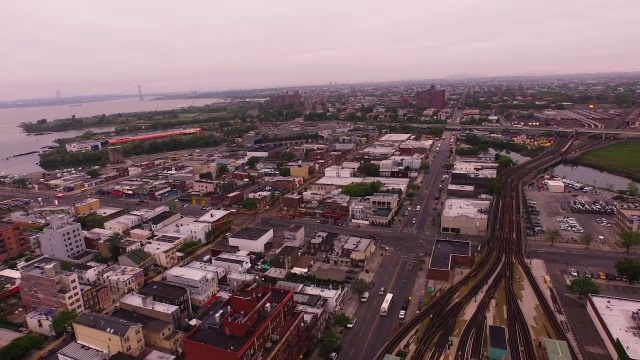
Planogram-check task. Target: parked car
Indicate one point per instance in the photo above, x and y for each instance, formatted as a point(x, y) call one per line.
point(402, 314)
point(381, 292)
point(351, 323)
point(573, 272)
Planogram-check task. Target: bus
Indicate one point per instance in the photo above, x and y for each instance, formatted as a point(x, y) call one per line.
point(386, 304)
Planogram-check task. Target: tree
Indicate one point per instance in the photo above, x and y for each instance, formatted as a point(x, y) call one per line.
point(629, 239)
point(252, 162)
point(206, 175)
point(223, 169)
point(629, 268)
point(583, 286)
point(632, 189)
point(285, 171)
point(20, 183)
point(328, 342)
point(505, 162)
point(63, 319)
point(359, 287)
point(114, 242)
point(369, 169)
point(362, 189)
point(586, 239)
point(553, 235)
point(66, 266)
point(341, 319)
point(91, 221)
point(448, 166)
point(94, 173)
point(189, 246)
point(493, 186)
point(19, 347)
point(287, 156)
point(249, 204)
point(424, 167)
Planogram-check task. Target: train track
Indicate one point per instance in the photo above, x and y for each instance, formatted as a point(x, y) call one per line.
point(503, 251)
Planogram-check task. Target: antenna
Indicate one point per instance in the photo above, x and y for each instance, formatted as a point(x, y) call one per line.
point(140, 92)
point(58, 94)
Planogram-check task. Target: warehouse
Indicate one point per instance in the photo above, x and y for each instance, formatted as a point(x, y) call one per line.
point(465, 217)
point(554, 186)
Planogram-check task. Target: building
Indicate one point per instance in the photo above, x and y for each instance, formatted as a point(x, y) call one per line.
point(251, 238)
point(44, 285)
point(77, 351)
point(159, 334)
point(498, 343)
point(629, 218)
point(232, 262)
point(161, 220)
point(86, 145)
point(206, 186)
point(284, 257)
point(88, 273)
point(164, 254)
point(462, 191)
point(302, 170)
point(41, 321)
point(122, 279)
point(165, 293)
point(147, 306)
point(322, 243)
point(554, 186)
point(445, 255)
point(86, 206)
point(122, 223)
point(10, 279)
point(62, 239)
point(557, 349)
point(140, 259)
point(255, 322)
point(294, 235)
point(116, 155)
point(334, 297)
point(217, 219)
point(200, 284)
point(617, 320)
point(431, 98)
point(287, 100)
point(96, 297)
point(465, 216)
point(109, 333)
point(13, 240)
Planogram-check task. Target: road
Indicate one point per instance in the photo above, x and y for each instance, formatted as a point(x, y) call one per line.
point(397, 273)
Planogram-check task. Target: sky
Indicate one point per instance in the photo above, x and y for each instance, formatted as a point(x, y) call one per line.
point(85, 47)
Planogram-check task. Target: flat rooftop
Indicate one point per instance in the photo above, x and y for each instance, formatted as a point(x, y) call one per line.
point(395, 137)
point(213, 216)
point(616, 314)
point(497, 337)
point(477, 209)
point(444, 249)
point(160, 218)
point(250, 233)
point(338, 181)
point(78, 351)
point(161, 289)
point(134, 299)
point(212, 334)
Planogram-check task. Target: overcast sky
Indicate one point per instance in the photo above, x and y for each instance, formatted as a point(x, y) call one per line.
point(96, 47)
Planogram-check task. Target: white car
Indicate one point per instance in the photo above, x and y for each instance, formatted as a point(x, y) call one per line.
point(351, 323)
point(401, 315)
point(418, 208)
point(573, 272)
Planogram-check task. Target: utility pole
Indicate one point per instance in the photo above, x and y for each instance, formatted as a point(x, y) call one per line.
point(58, 95)
point(140, 92)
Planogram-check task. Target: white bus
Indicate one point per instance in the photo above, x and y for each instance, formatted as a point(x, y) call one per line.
point(386, 304)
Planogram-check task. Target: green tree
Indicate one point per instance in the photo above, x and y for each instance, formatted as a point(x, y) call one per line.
point(629, 268)
point(114, 242)
point(19, 347)
point(20, 182)
point(360, 286)
point(66, 266)
point(362, 189)
point(189, 246)
point(369, 169)
point(328, 342)
point(249, 204)
point(93, 173)
point(206, 175)
point(553, 236)
point(341, 319)
point(493, 187)
point(583, 286)
point(505, 162)
point(424, 167)
point(448, 166)
point(285, 171)
point(223, 169)
point(63, 319)
point(287, 156)
point(629, 239)
point(91, 221)
point(586, 239)
point(252, 162)
point(632, 189)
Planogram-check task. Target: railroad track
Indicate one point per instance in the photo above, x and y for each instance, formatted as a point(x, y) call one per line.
point(443, 312)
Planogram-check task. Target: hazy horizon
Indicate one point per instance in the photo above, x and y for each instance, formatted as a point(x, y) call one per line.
point(83, 48)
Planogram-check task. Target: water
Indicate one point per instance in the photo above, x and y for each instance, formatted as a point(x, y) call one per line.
point(14, 141)
point(591, 177)
point(513, 155)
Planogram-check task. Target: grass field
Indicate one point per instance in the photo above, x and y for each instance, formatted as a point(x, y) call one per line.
point(621, 159)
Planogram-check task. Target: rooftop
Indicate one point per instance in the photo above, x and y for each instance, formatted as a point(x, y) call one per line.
point(497, 337)
point(187, 273)
point(78, 351)
point(338, 181)
point(250, 233)
point(477, 209)
point(160, 218)
point(119, 272)
point(294, 228)
point(138, 300)
point(138, 256)
point(557, 349)
point(444, 249)
point(395, 137)
point(617, 316)
point(105, 323)
point(148, 323)
point(231, 258)
point(213, 216)
point(161, 289)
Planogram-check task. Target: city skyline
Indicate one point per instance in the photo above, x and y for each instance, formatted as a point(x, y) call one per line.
point(84, 49)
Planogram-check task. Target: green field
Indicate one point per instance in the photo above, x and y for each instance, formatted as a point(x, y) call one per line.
point(621, 159)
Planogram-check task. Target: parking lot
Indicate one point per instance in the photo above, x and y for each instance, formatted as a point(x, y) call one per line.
point(555, 213)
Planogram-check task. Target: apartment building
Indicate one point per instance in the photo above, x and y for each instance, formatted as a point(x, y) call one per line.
point(62, 239)
point(45, 285)
point(122, 279)
point(109, 334)
point(12, 240)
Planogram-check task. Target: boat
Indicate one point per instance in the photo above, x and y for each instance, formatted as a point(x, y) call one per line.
point(74, 105)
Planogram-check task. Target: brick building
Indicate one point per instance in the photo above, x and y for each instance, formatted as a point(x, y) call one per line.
point(431, 98)
point(12, 240)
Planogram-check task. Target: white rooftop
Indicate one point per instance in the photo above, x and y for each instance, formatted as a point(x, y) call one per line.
point(338, 181)
point(187, 273)
point(461, 187)
point(174, 227)
point(395, 137)
point(616, 314)
point(326, 293)
point(466, 207)
point(213, 215)
point(136, 300)
point(120, 273)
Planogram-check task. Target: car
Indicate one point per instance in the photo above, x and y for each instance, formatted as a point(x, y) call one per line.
point(185, 205)
point(381, 292)
point(418, 208)
point(532, 202)
point(333, 356)
point(602, 276)
point(351, 323)
point(409, 208)
point(573, 272)
point(402, 314)
point(413, 221)
point(406, 213)
point(617, 277)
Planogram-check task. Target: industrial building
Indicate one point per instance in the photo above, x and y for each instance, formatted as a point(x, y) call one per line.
point(554, 186)
point(465, 216)
point(617, 320)
point(445, 255)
